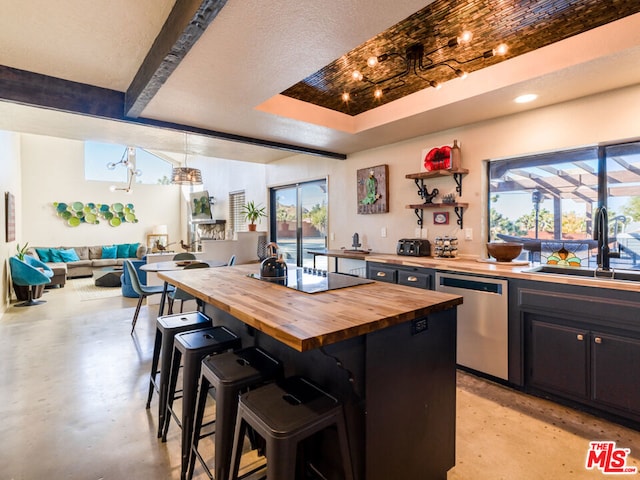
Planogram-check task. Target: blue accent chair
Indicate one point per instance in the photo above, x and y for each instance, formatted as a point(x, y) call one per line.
point(143, 291)
point(125, 279)
point(29, 273)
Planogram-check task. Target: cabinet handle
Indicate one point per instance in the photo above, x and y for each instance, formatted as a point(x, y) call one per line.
point(381, 274)
point(412, 279)
point(597, 340)
point(580, 337)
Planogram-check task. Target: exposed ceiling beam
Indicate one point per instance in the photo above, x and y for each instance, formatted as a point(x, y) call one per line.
point(186, 23)
point(28, 88)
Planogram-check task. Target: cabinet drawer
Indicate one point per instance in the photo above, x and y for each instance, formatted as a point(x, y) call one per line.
point(384, 274)
point(413, 279)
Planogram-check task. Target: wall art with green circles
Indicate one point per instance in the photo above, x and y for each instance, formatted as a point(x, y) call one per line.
point(77, 213)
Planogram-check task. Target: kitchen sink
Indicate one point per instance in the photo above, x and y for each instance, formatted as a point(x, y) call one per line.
point(625, 275)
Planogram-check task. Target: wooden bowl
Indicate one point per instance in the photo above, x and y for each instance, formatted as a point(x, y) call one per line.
point(504, 251)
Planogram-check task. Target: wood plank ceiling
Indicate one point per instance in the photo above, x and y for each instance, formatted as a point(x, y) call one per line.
point(523, 25)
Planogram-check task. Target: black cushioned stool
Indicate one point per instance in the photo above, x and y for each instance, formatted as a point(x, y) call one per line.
point(284, 414)
point(167, 327)
point(193, 346)
point(229, 374)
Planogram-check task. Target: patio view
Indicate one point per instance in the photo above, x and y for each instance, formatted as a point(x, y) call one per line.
point(548, 202)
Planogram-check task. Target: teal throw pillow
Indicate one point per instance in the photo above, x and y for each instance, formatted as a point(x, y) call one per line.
point(55, 255)
point(122, 251)
point(68, 255)
point(109, 252)
point(44, 254)
point(133, 250)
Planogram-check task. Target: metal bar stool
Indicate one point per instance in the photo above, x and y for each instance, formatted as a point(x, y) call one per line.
point(285, 414)
point(229, 374)
point(167, 327)
point(190, 348)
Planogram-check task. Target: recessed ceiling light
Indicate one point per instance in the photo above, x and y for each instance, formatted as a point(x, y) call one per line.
point(529, 97)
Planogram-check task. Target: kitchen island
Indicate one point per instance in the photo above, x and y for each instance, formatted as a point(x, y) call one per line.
point(387, 351)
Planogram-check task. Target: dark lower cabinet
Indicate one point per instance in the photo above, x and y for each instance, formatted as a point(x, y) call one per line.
point(582, 345)
point(615, 368)
point(557, 358)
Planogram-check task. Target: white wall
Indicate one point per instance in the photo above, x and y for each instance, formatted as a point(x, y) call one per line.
point(53, 171)
point(222, 176)
point(607, 117)
point(9, 182)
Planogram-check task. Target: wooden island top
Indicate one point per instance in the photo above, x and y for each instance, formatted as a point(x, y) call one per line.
point(307, 321)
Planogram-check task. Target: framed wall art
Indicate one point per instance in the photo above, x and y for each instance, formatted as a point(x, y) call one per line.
point(9, 217)
point(373, 190)
point(441, 218)
point(200, 204)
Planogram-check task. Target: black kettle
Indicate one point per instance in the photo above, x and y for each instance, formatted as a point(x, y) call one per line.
point(273, 266)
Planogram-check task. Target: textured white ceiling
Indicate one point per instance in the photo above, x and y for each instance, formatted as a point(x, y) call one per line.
point(254, 49)
point(98, 42)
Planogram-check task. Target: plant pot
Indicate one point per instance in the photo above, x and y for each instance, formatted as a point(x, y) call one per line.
point(252, 227)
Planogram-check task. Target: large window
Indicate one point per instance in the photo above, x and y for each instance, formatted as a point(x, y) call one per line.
point(548, 201)
point(154, 170)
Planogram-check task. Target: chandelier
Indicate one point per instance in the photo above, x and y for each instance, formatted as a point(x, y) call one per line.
point(128, 161)
point(186, 175)
point(415, 61)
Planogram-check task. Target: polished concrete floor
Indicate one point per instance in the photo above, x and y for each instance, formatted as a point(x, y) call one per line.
point(73, 387)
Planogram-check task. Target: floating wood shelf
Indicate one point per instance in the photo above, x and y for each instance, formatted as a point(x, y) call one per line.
point(458, 208)
point(437, 205)
point(437, 173)
point(419, 179)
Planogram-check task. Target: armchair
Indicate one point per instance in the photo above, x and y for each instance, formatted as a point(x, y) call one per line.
point(29, 273)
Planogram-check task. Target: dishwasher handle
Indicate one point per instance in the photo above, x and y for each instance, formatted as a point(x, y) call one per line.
point(481, 286)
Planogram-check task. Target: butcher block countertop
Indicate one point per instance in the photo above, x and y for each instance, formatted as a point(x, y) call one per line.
point(306, 321)
point(465, 265)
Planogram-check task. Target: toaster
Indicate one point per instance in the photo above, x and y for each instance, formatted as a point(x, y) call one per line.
point(413, 247)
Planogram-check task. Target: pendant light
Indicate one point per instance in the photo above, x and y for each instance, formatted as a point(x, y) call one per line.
point(186, 175)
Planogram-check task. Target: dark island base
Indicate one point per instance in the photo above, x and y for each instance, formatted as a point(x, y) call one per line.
point(398, 388)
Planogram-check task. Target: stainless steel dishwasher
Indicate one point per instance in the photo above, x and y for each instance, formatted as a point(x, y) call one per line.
point(482, 321)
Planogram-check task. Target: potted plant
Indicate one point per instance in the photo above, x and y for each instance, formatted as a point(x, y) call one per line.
point(252, 213)
point(22, 251)
point(22, 291)
point(283, 219)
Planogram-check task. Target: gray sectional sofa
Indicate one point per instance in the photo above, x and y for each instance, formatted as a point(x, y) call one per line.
point(65, 265)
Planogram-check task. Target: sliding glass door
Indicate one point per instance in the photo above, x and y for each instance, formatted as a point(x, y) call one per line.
point(298, 220)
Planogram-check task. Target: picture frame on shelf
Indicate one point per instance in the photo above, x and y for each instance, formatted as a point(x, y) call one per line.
point(156, 240)
point(441, 218)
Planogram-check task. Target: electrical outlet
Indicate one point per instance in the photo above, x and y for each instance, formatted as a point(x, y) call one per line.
point(468, 234)
point(333, 237)
point(383, 232)
point(418, 232)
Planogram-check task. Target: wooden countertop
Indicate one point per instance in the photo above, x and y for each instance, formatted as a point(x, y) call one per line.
point(342, 253)
point(465, 265)
point(307, 321)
